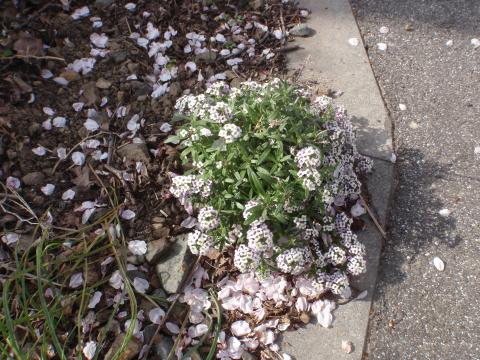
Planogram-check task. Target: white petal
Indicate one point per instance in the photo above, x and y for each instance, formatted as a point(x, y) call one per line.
point(80, 13)
point(475, 43)
point(191, 66)
point(91, 125)
point(68, 195)
point(48, 189)
point(438, 263)
point(141, 285)
point(62, 153)
point(353, 42)
point(59, 122)
point(137, 247)
point(48, 111)
point(156, 315)
point(127, 214)
point(46, 74)
point(78, 158)
point(10, 238)
point(173, 328)
point(402, 107)
point(47, 124)
point(99, 40)
point(445, 212)
point(240, 328)
point(116, 280)
point(78, 106)
point(166, 127)
point(89, 349)
point(449, 43)
point(76, 280)
point(382, 46)
point(40, 151)
point(13, 182)
point(357, 210)
point(95, 299)
point(61, 81)
point(131, 6)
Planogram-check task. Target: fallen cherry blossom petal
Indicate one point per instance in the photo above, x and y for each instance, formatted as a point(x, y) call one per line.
point(95, 299)
point(78, 158)
point(89, 349)
point(76, 280)
point(173, 328)
point(13, 182)
point(59, 122)
point(10, 238)
point(40, 151)
point(240, 328)
point(48, 189)
point(127, 214)
point(141, 285)
point(353, 42)
point(80, 13)
point(382, 46)
point(438, 263)
point(445, 212)
point(156, 315)
point(137, 247)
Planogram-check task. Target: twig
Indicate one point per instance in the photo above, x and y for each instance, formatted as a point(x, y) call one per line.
point(374, 219)
point(286, 49)
point(46, 57)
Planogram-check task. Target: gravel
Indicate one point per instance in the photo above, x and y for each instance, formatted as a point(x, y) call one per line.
point(432, 68)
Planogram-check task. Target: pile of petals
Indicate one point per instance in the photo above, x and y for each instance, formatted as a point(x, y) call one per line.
point(273, 192)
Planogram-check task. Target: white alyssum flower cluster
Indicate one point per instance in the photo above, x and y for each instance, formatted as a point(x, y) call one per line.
point(309, 229)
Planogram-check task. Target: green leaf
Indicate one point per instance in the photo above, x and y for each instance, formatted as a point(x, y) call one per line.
point(172, 139)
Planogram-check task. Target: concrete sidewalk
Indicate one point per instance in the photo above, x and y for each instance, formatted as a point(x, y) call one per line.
point(328, 59)
point(431, 66)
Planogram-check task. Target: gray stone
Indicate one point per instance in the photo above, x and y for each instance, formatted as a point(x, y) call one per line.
point(301, 30)
point(140, 88)
point(118, 56)
point(103, 3)
point(156, 249)
point(257, 4)
point(174, 266)
point(208, 56)
point(163, 347)
point(33, 178)
point(103, 84)
point(134, 152)
point(131, 350)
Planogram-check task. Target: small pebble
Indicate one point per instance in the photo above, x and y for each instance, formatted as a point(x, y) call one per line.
point(438, 263)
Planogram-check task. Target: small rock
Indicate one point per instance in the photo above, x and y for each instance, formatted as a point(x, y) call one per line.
point(347, 346)
point(305, 317)
point(70, 75)
point(301, 30)
point(103, 84)
point(257, 4)
point(175, 89)
point(353, 42)
point(34, 178)
point(408, 27)
point(131, 350)
point(156, 248)
point(163, 347)
point(140, 88)
point(248, 356)
point(160, 231)
point(90, 94)
point(445, 212)
point(118, 56)
point(207, 56)
point(172, 269)
point(402, 107)
point(134, 152)
point(103, 3)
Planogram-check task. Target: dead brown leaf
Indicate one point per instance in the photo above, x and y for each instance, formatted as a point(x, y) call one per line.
point(82, 177)
point(27, 45)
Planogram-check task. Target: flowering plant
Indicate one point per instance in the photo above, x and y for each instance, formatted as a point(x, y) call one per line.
point(273, 177)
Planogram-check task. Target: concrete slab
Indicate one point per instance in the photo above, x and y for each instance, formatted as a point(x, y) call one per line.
point(328, 58)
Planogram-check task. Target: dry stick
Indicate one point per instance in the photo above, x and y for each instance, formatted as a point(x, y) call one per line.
point(374, 219)
point(17, 56)
point(170, 309)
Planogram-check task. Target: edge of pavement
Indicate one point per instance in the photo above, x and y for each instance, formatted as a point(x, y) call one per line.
point(328, 60)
